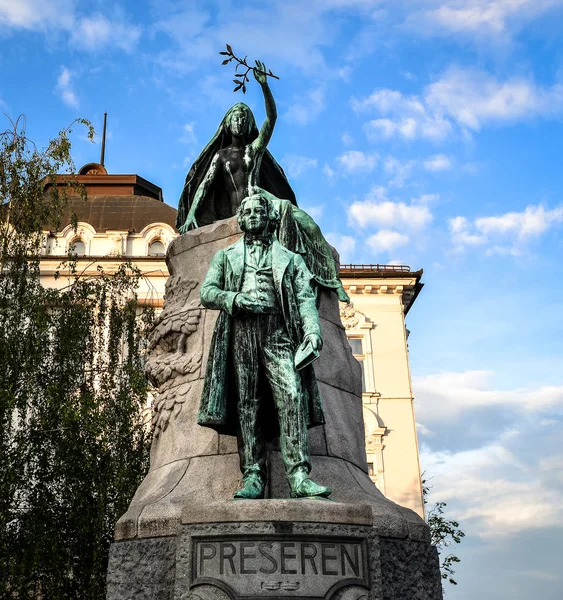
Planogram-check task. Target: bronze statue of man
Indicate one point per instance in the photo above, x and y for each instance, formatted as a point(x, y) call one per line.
point(268, 312)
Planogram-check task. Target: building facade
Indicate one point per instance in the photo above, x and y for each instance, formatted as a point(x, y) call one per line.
point(125, 219)
point(381, 296)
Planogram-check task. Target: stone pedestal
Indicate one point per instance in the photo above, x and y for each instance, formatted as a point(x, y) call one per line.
point(183, 536)
point(276, 549)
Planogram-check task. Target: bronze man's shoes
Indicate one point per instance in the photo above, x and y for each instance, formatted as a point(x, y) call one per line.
point(252, 488)
point(308, 488)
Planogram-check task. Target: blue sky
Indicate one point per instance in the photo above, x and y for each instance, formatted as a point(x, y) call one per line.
point(421, 132)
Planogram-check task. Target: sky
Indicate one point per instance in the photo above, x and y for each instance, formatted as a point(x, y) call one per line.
point(426, 133)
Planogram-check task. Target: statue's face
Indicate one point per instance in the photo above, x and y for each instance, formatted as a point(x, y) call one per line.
point(239, 122)
point(254, 218)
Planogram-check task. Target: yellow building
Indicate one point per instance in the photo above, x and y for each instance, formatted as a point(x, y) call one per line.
point(381, 296)
point(125, 218)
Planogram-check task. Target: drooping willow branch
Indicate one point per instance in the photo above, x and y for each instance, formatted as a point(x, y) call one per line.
point(242, 78)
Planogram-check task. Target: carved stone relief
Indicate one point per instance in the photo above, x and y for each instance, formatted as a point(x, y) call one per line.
point(167, 405)
point(207, 592)
point(349, 316)
point(353, 592)
point(175, 351)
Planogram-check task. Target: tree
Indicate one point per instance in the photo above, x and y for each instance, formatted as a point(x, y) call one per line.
point(73, 441)
point(443, 532)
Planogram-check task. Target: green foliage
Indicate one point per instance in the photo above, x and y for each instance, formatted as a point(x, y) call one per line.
point(73, 441)
point(444, 532)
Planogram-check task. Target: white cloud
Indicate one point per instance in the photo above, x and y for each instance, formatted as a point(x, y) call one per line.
point(306, 109)
point(64, 88)
point(438, 162)
point(297, 165)
point(347, 139)
point(462, 99)
point(385, 240)
point(504, 234)
point(473, 98)
point(408, 118)
point(490, 491)
point(443, 397)
point(400, 171)
point(494, 19)
point(35, 15)
point(90, 33)
point(315, 211)
point(188, 134)
point(355, 161)
point(344, 244)
point(379, 211)
point(328, 171)
point(97, 32)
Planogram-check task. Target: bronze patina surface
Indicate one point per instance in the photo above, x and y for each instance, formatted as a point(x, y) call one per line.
point(232, 166)
point(268, 310)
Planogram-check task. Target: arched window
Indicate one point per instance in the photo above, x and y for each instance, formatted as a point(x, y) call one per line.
point(156, 248)
point(78, 248)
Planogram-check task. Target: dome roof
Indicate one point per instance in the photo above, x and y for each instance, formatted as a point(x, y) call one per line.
point(124, 213)
point(117, 202)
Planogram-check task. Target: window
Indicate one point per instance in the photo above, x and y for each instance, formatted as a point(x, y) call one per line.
point(78, 248)
point(356, 345)
point(370, 469)
point(156, 248)
point(358, 352)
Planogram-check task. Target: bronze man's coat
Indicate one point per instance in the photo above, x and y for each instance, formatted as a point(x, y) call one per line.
point(295, 294)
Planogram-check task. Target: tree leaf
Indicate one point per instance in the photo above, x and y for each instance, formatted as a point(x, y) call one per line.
point(226, 61)
point(229, 49)
point(224, 53)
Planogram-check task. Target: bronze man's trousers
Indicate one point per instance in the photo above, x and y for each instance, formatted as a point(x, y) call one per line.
point(262, 349)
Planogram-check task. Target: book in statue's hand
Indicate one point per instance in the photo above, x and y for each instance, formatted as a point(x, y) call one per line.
point(305, 355)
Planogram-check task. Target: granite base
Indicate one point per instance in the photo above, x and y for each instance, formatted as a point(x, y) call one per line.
point(275, 549)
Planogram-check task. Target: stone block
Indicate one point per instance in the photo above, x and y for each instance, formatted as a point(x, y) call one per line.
point(142, 570)
point(336, 364)
point(275, 549)
point(344, 428)
point(329, 307)
point(276, 510)
point(228, 444)
point(317, 441)
point(184, 438)
point(409, 570)
point(287, 559)
point(207, 479)
point(157, 485)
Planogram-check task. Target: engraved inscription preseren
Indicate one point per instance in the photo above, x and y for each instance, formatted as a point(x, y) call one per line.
point(265, 566)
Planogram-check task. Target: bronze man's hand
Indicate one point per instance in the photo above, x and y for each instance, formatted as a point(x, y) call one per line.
point(245, 303)
point(260, 72)
point(316, 341)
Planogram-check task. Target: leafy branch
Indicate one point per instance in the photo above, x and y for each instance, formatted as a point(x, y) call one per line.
point(443, 532)
point(242, 77)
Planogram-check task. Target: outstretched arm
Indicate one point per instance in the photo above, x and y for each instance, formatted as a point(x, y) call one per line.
point(201, 192)
point(261, 142)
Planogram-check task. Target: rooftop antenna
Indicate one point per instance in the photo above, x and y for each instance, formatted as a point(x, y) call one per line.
point(103, 156)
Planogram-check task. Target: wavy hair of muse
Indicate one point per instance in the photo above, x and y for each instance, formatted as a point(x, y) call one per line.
point(273, 214)
point(250, 120)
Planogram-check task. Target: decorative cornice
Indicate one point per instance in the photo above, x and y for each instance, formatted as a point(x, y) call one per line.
point(375, 287)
